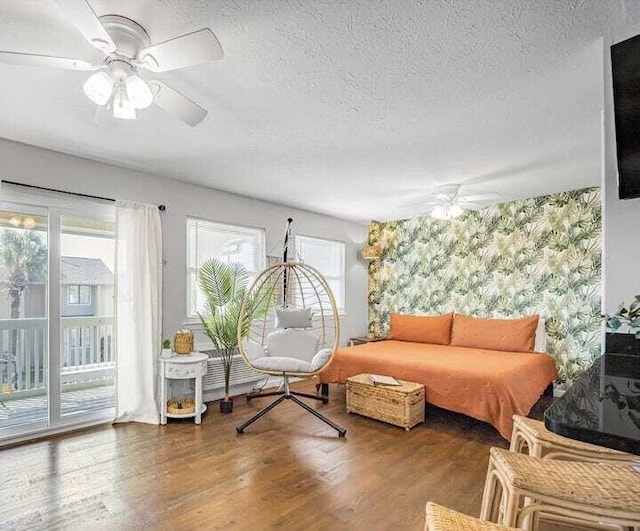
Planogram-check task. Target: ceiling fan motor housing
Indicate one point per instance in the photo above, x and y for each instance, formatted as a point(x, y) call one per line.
point(447, 192)
point(120, 69)
point(128, 36)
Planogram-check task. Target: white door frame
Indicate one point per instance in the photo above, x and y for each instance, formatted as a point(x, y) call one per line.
point(54, 206)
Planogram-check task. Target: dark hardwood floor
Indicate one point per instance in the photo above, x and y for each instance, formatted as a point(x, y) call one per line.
point(288, 471)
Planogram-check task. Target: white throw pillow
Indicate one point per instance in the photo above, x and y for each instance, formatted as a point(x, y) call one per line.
point(293, 318)
point(541, 336)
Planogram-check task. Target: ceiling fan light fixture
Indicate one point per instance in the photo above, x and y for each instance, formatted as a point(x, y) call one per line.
point(128, 49)
point(138, 92)
point(99, 87)
point(446, 211)
point(123, 109)
point(439, 212)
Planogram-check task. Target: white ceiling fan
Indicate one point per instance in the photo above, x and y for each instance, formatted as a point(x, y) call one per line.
point(447, 202)
point(115, 82)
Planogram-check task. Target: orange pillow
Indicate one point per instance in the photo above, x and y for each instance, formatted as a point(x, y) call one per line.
point(421, 328)
point(512, 335)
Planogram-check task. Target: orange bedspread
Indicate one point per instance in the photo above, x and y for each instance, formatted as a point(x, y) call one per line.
point(488, 385)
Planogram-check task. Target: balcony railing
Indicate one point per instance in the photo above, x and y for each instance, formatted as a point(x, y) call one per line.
point(87, 353)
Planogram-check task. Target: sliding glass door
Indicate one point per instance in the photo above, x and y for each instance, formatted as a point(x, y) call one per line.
point(87, 302)
point(24, 331)
point(57, 334)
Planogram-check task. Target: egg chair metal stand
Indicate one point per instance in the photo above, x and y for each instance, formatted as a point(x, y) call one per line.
point(262, 394)
point(288, 394)
point(289, 328)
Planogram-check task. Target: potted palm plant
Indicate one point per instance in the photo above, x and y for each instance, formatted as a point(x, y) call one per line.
point(225, 287)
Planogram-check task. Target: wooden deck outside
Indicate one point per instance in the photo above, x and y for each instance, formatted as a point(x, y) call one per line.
point(24, 410)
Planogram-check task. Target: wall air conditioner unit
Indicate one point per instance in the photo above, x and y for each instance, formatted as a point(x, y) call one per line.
point(243, 377)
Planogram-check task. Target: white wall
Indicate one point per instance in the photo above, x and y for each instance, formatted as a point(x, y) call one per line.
point(621, 253)
point(40, 167)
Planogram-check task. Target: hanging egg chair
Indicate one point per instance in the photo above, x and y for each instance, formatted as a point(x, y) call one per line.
point(289, 327)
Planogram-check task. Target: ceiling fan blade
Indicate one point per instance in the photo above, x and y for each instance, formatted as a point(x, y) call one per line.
point(176, 103)
point(478, 198)
point(83, 17)
point(424, 203)
point(32, 59)
point(192, 49)
point(473, 206)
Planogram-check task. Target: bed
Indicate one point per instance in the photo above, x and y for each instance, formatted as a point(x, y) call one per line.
point(488, 385)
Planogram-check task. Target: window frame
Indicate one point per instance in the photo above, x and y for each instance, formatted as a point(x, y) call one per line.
point(77, 289)
point(88, 291)
point(261, 262)
point(341, 309)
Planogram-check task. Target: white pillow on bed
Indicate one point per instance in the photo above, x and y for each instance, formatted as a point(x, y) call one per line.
point(541, 336)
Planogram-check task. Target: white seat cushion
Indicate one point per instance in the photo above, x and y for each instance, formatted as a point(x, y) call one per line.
point(288, 351)
point(252, 350)
point(321, 359)
point(290, 343)
point(282, 364)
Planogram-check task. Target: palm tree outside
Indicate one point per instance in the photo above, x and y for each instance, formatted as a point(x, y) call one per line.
point(23, 260)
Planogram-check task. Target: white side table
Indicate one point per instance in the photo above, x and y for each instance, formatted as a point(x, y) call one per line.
point(179, 367)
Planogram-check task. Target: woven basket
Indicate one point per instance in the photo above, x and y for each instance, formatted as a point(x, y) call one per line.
point(183, 343)
point(399, 405)
point(181, 406)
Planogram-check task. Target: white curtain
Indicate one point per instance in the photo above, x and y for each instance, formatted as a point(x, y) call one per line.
point(138, 311)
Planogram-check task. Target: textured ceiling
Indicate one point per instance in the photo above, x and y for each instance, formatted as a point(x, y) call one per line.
point(345, 107)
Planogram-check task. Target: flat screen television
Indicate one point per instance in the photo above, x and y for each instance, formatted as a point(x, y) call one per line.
point(625, 62)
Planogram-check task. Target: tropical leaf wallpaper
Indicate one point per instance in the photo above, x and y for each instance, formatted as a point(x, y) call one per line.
point(541, 255)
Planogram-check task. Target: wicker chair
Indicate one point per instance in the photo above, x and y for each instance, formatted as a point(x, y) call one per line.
point(574, 492)
point(530, 436)
point(440, 518)
point(293, 334)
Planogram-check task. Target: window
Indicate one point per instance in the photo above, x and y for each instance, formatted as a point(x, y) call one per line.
point(79, 294)
point(327, 256)
point(228, 243)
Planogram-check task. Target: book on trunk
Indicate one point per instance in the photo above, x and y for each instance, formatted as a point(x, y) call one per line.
point(378, 379)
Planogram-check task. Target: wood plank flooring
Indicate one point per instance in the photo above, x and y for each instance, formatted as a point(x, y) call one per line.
point(288, 471)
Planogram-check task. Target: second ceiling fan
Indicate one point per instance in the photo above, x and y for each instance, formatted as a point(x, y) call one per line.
point(447, 202)
point(115, 83)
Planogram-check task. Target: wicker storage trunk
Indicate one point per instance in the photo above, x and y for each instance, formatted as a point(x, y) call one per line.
point(398, 405)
